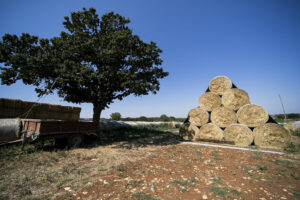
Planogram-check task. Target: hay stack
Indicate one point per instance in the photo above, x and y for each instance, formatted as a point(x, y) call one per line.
point(220, 84)
point(271, 135)
point(198, 116)
point(209, 131)
point(252, 115)
point(12, 108)
point(223, 117)
point(229, 108)
point(209, 101)
point(187, 131)
point(235, 98)
point(240, 134)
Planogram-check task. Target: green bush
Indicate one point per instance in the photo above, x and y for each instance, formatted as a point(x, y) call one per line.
point(164, 118)
point(295, 133)
point(143, 119)
point(115, 116)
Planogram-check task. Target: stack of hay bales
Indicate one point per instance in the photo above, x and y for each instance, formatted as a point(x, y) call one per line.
point(13, 108)
point(224, 114)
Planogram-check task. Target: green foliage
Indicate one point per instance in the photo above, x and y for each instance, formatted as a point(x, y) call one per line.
point(285, 163)
point(293, 148)
point(219, 191)
point(94, 61)
point(288, 116)
point(143, 196)
point(295, 133)
point(164, 118)
point(115, 116)
point(152, 119)
point(262, 168)
point(143, 118)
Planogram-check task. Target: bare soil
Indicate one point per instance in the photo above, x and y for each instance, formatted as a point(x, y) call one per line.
point(195, 172)
point(151, 167)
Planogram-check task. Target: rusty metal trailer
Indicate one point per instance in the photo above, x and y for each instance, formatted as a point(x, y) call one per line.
point(74, 132)
point(29, 130)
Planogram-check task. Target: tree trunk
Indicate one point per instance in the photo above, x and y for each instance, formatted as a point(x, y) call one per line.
point(97, 112)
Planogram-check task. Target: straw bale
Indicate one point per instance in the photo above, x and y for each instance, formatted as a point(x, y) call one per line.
point(209, 131)
point(198, 116)
point(223, 117)
point(235, 98)
point(220, 84)
point(240, 134)
point(209, 101)
point(11, 103)
point(252, 115)
point(187, 131)
point(271, 135)
point(11, 108)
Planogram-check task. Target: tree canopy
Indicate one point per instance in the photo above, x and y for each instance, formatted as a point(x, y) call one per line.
point(115, 116)
point(94, 61)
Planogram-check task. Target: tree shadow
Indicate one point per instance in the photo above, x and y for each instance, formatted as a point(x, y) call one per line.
point(122, 138)
point(137, 137)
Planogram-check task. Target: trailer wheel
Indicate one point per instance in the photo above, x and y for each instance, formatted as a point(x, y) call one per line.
point(75, 140)
point(61, 142)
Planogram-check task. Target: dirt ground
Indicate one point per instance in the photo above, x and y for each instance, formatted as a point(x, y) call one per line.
point(152, 167)
point(195, 172)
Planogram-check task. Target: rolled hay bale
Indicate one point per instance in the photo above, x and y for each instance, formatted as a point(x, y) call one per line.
point(187, 131)
point(252, 115)
point(209, 101)
point(209, 131)
point(198, 116)
point(223, 117)
point(220, 84)
point(235, 98)
point(271, 135)
point(240, 134)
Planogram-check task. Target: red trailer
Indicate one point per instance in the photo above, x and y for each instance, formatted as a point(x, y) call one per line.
point(72, 132)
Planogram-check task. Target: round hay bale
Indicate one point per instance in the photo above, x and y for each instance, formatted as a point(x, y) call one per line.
point(235, 98)
point(187, 131)
point(209, 101)
point(223, 116)
point(240, 134)
point(198, 116)
point(252, 115)
point(209, 131)
point(220, 84)
point(271, 135)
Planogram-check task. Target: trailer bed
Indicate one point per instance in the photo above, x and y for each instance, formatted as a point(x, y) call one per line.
point(46, 127)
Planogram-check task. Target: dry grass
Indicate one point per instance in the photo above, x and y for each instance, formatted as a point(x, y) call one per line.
point(36, 174)
point(43, 172)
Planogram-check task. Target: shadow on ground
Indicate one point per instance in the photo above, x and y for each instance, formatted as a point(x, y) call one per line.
point(123, 138)
point(137, 137)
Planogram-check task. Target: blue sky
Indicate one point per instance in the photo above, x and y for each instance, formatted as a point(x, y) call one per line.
point(256, 43)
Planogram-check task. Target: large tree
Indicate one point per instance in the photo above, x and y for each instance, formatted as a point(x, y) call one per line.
point(94, 61)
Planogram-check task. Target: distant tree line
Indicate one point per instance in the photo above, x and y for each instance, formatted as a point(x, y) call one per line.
point(288, 116)
point(116, 116)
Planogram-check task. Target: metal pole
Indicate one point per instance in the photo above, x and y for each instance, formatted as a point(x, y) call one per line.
point(282, 107)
